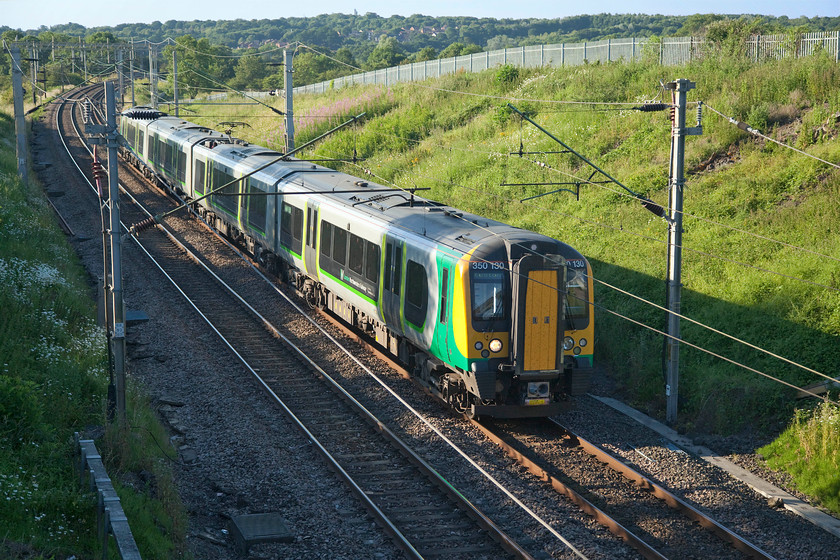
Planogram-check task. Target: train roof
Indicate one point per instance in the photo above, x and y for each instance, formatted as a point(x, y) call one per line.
point(399, 208)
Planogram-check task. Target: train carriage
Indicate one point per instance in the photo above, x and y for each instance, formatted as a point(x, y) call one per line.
point(494, 319)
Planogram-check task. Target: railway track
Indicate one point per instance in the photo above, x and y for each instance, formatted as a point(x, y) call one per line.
point(630, 505)
point(281, 376)
point(424, 514)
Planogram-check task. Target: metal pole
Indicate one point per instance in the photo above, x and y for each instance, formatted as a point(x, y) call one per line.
point(34, 68)
point(674, 280)
point(290, 121)
point(20, 123)
point(175, 78)
point(120, 74)
point(118, 307)
point(153, 76)
point(131, 72)
point(84, 58)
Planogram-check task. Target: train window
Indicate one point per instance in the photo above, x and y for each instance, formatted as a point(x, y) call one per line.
point(152, 145)
point(416, 293)
point(257, 204)
point(326, 239)
point(286, 219)
point(297, 223)
point(198, 177)
point(444, 289)
point(140, 147)
point(397, 270)
point(227, 203)
point(182, 166)
point(166, 156)
point(389, 249)
point(372, 255)
point(488, 294)
point(357, 254)
point(339, 245)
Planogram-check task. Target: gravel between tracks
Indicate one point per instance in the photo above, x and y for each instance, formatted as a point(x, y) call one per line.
point(245, 458)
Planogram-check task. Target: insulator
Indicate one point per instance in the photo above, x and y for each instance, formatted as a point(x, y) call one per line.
point(143, 225)
point(653, 207)
point(700, 113)
point(650, 107)
point(674, 116)
point(98, 170)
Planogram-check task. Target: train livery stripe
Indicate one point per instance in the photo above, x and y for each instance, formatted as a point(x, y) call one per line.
point(460, 306)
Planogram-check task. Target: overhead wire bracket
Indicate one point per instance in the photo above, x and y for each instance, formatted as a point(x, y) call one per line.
point(646, 202)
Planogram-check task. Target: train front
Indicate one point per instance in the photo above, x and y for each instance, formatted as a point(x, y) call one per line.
point(529, 327)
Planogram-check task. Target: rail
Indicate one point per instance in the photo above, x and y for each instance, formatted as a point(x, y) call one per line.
point(110, 517)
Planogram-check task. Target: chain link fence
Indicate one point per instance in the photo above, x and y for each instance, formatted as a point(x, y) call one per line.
point(669, 51)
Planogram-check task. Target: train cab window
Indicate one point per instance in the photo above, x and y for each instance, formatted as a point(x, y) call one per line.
point(576, 309)
point(357, 254)
point(339, 245)
point(444, 290)
point(488, 294)
point(372, 257)
point(326, 239)
point(416, 293)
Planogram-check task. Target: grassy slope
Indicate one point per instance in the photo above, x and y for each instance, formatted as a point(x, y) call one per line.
point(52, 383)
point(459, 146)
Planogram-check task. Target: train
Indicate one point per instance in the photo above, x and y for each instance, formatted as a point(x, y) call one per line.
point(495, 320)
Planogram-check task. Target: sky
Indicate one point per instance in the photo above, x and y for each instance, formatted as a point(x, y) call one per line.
point(29, 14)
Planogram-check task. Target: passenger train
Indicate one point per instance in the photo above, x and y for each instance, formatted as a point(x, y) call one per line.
point(495, 320)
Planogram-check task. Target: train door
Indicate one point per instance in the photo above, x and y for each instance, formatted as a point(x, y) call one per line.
point(444, 303)
point(392, 280)
point(538, 300)
point(310, 248)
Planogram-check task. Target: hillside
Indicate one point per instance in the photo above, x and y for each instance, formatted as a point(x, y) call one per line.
point(759, 261)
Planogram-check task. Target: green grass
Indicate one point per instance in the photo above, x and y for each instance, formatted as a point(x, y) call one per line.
point(810, 450)
point(425, 135)
point(53, 379)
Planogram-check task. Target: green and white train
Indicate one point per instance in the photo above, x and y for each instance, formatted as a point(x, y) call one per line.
point(495, 320)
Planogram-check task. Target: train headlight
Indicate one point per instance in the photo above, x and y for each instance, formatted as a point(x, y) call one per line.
point(568, 343)
point(582, 342)
point(479, 345)
point(485, 354)
point(576, 351)
point(495, 345)
point(538, 389)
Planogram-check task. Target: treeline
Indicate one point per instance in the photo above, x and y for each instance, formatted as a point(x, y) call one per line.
point(244, 53)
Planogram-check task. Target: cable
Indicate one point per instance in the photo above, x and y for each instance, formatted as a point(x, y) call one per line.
point(747, 128)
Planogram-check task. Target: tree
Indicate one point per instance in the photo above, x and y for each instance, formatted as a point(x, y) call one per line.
point(250, 73)
point(387, 53)
point(458, 49)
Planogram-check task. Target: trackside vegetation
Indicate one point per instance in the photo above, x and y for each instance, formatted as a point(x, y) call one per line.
point(761, 244)
point(53, 381)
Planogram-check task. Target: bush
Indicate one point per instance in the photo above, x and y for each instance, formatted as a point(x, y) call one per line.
point(21, 414)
